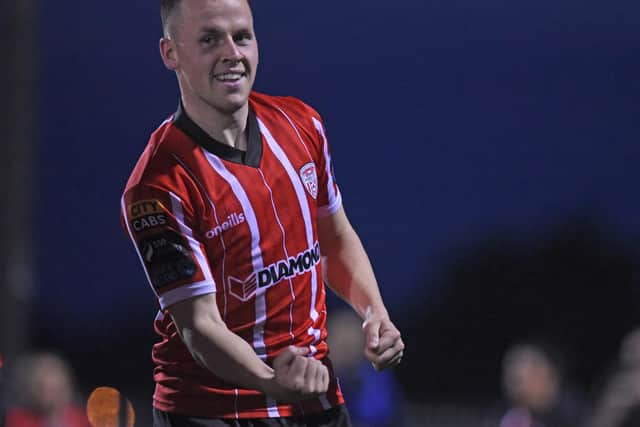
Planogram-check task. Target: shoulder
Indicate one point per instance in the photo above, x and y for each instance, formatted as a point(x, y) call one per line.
point(160, 158)
point(289, 105)
point(287, 110)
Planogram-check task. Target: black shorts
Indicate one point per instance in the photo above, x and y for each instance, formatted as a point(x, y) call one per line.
point(334, 417)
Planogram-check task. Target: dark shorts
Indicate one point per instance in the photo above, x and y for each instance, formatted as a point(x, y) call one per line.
point(334, 417)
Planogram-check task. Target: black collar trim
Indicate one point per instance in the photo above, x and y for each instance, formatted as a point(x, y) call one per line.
point(251, 157)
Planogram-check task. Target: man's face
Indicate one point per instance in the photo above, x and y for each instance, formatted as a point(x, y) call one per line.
point(214, 51)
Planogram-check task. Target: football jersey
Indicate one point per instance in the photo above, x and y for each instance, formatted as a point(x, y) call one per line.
point(208, 218)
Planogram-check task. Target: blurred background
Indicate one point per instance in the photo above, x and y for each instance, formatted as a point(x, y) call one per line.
point(487, 153)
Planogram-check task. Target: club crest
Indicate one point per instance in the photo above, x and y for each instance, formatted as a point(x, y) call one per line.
point(310, 178)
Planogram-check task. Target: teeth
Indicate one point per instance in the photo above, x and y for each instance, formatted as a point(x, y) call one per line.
point(227, 77)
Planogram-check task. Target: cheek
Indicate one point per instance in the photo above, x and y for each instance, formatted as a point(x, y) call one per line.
point(252, 56)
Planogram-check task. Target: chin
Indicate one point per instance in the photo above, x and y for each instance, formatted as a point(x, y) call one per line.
point(232, 104)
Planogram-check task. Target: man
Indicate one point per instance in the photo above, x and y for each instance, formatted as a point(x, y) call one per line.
point(230, 208)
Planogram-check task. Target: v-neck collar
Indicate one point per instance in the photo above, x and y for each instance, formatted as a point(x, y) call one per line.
point(251, 157)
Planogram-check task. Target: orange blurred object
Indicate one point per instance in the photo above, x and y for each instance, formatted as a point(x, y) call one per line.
point(104, 408)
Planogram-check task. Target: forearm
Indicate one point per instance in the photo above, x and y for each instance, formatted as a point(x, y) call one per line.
point(348, 272)
point(228, 356)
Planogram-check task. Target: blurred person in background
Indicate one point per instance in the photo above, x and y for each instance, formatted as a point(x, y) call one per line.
point(535, 390)
point(618, 403)
point(43, 394)
point(231, 208)
point(375, 398)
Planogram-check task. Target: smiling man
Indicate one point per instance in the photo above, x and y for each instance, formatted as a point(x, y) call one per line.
point(237, 220)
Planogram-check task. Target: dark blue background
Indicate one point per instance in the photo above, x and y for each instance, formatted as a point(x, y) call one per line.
point(449, 121)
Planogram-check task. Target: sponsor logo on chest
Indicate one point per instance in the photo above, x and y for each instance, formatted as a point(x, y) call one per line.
point(275, 273)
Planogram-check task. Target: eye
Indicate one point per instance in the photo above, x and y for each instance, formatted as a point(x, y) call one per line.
point(243, 37)
point(209, 39)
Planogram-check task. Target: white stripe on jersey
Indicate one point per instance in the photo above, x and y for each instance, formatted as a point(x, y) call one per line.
point(311, 158)
point(256, 253)
point(178, 213)
point(302, 200)
point(286, 254)
point(304, 207)
point(272, 408)
point(215, 214)
point(256, 258)
point(334, 199)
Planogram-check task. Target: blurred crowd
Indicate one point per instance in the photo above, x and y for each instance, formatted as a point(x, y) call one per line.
point(40, 392)
point(535, 390)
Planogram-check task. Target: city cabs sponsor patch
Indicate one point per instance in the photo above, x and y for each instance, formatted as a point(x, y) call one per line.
point(146, 214)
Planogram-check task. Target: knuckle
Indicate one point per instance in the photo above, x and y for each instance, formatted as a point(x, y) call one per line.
point(298, 384)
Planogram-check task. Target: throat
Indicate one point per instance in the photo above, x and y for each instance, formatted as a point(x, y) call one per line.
point(234, 138)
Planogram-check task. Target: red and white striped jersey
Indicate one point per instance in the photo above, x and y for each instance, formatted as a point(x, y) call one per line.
point(205, 217)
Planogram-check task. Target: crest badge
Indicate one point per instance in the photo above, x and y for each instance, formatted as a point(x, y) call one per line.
point(310, 178)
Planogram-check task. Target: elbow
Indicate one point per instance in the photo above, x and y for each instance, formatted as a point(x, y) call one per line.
point(193, 340)
point(197, 337)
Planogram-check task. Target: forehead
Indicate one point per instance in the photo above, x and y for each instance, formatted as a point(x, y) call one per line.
point(218, 14)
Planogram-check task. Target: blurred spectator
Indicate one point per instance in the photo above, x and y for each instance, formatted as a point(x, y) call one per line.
point(43, 391)
point(533, 384)
point(619, 402)
point(374, 398)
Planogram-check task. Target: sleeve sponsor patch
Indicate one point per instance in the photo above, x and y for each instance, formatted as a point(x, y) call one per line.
point(168, 258)
point(146, 214)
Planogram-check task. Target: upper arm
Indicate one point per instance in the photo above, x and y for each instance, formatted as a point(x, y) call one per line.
point(331, 228)
point(197, 321)
point(195, 315)
point(161, 226)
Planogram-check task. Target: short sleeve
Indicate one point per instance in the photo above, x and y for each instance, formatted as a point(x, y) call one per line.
point(329, 198)
point(160, 225)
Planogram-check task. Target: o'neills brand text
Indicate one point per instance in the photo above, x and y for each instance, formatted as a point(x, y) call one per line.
point(277, 271)
point(232, 220)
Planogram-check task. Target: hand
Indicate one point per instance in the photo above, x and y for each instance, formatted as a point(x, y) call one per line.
point(297, 376)
point(383, 344)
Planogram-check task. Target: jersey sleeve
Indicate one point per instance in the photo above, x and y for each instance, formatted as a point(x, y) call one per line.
point(160, 225)
point(329, 198)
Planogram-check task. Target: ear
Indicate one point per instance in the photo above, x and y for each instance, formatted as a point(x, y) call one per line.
point(168, 53)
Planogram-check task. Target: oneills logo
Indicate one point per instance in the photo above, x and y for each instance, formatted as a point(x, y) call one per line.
point(233, 220)
point(275, 273)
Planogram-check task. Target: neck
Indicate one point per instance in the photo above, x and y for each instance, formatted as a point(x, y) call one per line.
point(227, 128)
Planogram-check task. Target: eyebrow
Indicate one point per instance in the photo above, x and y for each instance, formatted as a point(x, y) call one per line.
point(218, 30)
point(210, 30)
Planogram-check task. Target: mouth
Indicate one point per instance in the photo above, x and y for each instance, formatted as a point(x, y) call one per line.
point(230, 76)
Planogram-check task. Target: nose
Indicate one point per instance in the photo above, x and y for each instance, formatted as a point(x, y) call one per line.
point(231, 52)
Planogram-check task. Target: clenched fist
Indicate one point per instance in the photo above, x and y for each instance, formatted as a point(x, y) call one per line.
point(297, 376)
point(384, 347)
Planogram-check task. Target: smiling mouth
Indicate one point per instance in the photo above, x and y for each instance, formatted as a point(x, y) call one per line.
point(229, 77)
